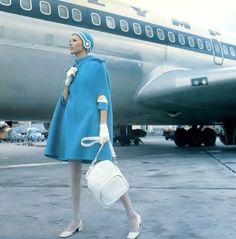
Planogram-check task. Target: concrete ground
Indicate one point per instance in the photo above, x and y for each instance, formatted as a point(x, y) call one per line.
point(181, 193)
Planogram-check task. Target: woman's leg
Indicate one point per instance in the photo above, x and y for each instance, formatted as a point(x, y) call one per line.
point(131, 213)
point(75, 185)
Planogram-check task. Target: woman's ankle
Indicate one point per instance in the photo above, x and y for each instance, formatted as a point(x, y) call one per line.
point(133, 216)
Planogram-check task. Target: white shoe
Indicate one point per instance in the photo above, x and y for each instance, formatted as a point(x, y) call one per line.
point(70, 233)
point(134, 235)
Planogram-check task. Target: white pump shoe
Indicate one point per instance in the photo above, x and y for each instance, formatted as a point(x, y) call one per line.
point(70, 233)
point(134, 235)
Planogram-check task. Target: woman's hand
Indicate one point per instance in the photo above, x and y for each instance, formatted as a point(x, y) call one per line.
point(70, 74)
point(103, 134)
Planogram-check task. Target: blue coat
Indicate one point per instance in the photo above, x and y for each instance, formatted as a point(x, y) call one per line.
point(80, 116)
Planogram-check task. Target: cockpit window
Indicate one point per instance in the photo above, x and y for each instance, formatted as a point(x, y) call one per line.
point(26, 5)
point(5, 2)
point(45, 7)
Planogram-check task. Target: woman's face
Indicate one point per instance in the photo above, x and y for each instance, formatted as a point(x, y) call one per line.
point(76, 45)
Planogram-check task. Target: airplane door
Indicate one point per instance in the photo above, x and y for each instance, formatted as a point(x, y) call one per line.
point(218, 57)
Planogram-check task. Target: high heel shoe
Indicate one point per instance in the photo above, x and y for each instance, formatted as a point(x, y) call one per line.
point(134, 235)
point(70, 233)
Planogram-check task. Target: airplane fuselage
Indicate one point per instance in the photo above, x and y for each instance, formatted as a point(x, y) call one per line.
point(138, 49)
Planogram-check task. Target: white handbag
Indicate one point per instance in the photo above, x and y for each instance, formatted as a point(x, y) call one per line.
point(104, 178)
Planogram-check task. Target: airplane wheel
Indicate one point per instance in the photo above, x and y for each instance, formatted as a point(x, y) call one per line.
point(136, 141)
point(180, 137)
point(128, 141)
point(125, 141)
point(194, 137)
point(209, 137)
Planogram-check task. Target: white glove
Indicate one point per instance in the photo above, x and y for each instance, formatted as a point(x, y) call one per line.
point(103, 134)
point(70, 74)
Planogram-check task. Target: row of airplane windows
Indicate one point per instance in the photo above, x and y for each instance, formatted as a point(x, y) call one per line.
point(63, 12)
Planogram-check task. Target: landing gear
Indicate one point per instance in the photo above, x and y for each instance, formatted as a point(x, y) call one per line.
point(209, 137)
point(195, 136)
point(228, 135)
point(126, 135)
point(180, 137)
point(137, 141)
point(123, 140)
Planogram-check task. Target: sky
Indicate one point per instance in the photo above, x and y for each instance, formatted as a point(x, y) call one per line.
point(217, 14)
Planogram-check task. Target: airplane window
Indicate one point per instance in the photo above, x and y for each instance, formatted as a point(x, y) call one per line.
point(200, 44)
point(208, 45)
point(96, 20)
point(171, 37)
point(217, 48)
point(160, 34)
point(225, 50)
point(110, 22)
point(149, 31)
point(232, 51)
point(191, 42)
point(5, 2)
point(124, 26)
point(26, 5)
point(181, 39)
point(137, 29)
point(77, 15)
point(63, 12)
point(45, 7)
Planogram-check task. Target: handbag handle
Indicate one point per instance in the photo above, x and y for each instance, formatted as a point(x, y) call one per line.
point(94, 140)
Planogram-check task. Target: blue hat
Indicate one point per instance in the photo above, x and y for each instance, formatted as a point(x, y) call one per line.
point(87, 40)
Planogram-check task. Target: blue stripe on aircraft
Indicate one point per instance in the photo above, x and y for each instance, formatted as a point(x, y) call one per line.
point(86, 22)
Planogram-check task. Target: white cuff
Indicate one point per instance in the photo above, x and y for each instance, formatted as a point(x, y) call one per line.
point(102, 99)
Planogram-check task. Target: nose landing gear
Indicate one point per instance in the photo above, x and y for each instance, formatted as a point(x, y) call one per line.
point(128, 135)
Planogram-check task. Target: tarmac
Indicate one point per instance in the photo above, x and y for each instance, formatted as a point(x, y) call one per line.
point(181, 193)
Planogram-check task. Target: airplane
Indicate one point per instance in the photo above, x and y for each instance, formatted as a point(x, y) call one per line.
point(163, 71)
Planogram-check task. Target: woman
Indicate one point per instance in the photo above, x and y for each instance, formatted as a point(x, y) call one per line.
point(85, 109)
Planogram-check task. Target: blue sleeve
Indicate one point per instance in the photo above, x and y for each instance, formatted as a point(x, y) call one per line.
point(102, 106)
point(102, 85)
